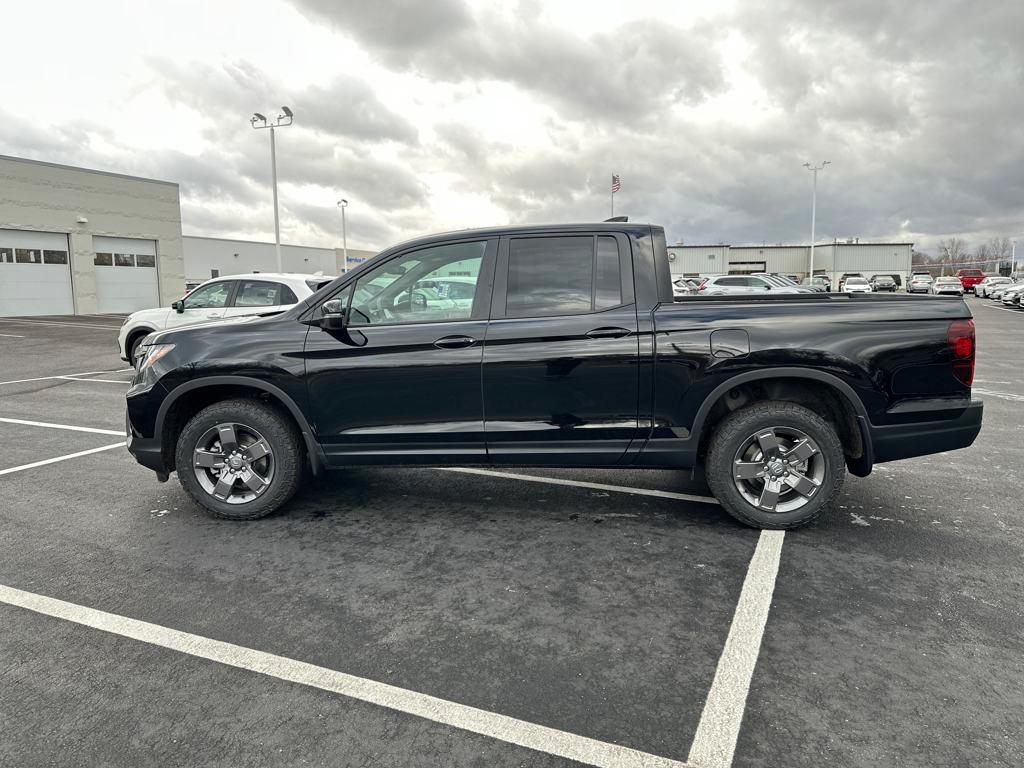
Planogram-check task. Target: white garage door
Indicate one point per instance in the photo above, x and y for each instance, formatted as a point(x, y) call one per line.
point(35, 273)
point(125, 274)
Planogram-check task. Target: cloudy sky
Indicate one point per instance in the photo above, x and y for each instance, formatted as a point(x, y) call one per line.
point(445, 114)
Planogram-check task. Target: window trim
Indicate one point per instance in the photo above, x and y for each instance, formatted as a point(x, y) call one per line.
point(499, 296)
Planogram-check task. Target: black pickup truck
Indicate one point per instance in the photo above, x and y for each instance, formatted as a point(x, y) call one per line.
point(555, 346)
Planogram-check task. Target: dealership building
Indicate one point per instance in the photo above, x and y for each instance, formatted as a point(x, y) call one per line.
point(82, 241)
point(77, 241)
point(830, 259)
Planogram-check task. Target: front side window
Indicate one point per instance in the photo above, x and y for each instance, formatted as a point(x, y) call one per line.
point(562, 276)
point(209, 296)
point(413, 288)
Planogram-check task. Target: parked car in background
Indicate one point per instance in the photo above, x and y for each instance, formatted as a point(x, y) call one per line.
point(219, 299)
point(845, 276)
point(996, 291)
point(817, 283)
point(983, 288)
point(882, 283)
point(969, 278)
point(684, 286)
point(856, 285)
point(1011, 296)
point(947, 286)
point(781, 281)
point(725, 285)
point(920, 284)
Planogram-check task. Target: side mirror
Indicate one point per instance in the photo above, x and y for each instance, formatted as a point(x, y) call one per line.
point(767, 287)
point(178, 306)
point(333, 315)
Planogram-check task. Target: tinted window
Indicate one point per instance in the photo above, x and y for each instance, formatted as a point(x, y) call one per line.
point(734, 282)
point(408, 289)
point(607, 274)
point(209, 296)
point(261, 293)
point(550, 276)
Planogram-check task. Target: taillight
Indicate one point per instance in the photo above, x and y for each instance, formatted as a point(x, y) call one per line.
point(961, 341)
point(702, 286)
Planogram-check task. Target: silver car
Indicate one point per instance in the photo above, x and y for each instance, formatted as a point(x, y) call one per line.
point(947, 286)
point(1011, 296)
point(920, 284)
point(983, 288)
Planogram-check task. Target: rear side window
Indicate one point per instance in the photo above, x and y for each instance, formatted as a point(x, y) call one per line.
point(262, 293)
point(562, 276)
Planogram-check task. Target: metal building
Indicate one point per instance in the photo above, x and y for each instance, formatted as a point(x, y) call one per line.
point(832, 259)
point(81, 241)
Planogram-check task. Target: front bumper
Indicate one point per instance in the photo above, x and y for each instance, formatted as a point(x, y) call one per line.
point(921, 438)
point(146, 450)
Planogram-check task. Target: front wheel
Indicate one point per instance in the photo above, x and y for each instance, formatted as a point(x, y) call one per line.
point(775, 465)
point(241, 459)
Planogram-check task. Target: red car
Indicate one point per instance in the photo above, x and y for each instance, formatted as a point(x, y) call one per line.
point(970, 278)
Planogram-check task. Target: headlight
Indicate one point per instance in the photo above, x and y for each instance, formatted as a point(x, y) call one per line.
point(153, 354)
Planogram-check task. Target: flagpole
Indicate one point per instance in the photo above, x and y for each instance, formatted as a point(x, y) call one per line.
point(613, 205)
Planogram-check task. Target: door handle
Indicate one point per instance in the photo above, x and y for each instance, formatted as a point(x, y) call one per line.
point(213, 314)
point(608, 333)
point(455, 342)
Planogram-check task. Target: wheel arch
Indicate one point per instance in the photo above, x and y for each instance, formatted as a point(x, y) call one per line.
point(843, 407)
point(185, 400)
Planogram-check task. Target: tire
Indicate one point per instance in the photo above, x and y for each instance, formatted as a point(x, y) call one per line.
point(133, 344)
point(736, 447)
point(276, 473)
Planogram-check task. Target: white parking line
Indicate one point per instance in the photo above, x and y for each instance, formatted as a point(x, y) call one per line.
point(1013, 398)
point(496, 726)
point(73, 376)
point(714, 744)
point(100, 381)
point(1002, 309)
point(11, 336)
point(58, 322)
point(119, 432)
point(44, 462)
point(583, 484)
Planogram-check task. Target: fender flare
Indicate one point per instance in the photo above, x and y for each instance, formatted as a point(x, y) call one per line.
point(860, 467)
point(316, 458)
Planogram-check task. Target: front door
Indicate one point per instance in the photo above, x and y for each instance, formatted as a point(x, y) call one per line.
point(560, 369)
point(402, 381)
point(206, 303)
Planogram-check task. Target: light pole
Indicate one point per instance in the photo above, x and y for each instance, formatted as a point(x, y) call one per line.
point(343, 204)
point(814, 209)
point(1013, 256)
point(258, 121)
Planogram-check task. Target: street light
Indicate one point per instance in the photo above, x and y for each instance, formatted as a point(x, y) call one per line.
point(343, 204)
point(814, 208)
point(259, 121)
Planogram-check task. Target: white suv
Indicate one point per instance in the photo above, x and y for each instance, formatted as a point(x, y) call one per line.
point(222, 297)
point(736, 284)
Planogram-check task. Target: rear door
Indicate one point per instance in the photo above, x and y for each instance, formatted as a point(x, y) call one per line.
point(560, 363)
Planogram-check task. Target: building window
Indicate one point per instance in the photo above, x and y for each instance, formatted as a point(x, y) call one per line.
point(214, 273)
point(6, 255)
point(55, 257)
point(144, 260)
point(28, 256)
point(124, 260)
point(104, 260)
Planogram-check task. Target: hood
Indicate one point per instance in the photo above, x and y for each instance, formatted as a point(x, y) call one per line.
point(159, 337)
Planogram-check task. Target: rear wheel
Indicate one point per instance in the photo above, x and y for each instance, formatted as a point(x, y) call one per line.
point(240, 459)
point(775, 465)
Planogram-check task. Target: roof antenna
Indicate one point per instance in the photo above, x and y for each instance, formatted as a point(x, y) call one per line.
point(618, 218)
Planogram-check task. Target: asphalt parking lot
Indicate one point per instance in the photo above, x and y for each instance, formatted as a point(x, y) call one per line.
point(414, 617)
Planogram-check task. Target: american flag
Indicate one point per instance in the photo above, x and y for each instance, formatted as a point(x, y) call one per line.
point(616, 183)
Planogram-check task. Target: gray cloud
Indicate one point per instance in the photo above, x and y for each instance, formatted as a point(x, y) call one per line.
point(625, 74)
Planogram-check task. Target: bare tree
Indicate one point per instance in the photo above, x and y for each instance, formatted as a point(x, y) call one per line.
point(1000, 248)
point(952, 251)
